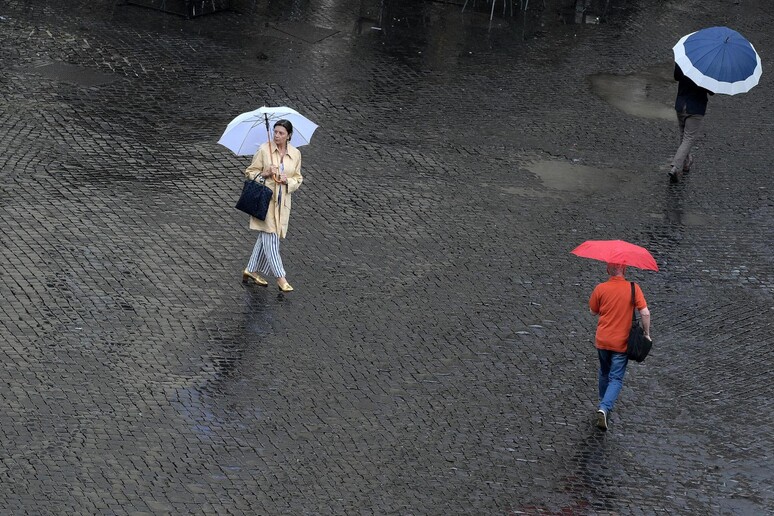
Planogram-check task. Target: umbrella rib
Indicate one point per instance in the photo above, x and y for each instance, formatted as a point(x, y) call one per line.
point(723, 56)
point(711, 52)
point(247, 123)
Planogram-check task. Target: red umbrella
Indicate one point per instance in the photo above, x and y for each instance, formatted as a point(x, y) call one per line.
point(616, 251)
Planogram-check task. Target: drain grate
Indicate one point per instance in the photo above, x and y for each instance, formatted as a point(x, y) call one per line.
point(72, 74)
point(304, 31)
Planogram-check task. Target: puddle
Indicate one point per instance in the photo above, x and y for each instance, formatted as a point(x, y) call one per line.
point(528, 192)
point(686, 218)
point(303, 31)
point(682, 218)
point(648, 94)
point(73, 74)
point(187, 9)
point(572, 177)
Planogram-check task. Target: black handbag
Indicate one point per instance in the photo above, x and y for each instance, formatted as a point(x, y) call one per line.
point(255, 199)
point(637, 347)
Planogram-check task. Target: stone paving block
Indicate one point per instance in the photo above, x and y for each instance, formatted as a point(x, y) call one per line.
point(437, 355)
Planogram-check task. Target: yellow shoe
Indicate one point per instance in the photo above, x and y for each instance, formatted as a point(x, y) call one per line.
point(286, 287)
point(255, 277)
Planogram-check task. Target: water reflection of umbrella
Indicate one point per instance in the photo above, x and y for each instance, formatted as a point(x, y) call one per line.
point(719, 59)
point(616, 251)
point(250, 130)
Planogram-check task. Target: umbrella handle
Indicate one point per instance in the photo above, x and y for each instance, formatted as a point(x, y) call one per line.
point(268, 138)
point(275, 177)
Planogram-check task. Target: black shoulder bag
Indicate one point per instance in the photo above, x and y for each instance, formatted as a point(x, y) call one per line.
point(255, 199)
point(638, 346)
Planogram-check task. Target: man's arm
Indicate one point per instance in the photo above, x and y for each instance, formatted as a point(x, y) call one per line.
point(645, 321)
point(594, 302)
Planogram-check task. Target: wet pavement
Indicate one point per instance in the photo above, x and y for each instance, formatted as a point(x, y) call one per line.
point(436, 357)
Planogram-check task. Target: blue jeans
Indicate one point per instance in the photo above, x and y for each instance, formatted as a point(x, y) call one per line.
point(612, 367)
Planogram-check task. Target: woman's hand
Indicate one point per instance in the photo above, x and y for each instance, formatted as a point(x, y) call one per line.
point(283, 179)
point(271, 171)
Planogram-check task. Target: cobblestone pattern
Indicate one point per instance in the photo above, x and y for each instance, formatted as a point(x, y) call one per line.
point(436, 357)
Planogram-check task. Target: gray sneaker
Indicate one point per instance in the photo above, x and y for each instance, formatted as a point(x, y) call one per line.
point(602, 420)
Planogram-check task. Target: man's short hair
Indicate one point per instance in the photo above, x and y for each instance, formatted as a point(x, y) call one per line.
point(616, 269)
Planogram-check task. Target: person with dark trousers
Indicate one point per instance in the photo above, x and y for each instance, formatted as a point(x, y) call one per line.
point(690, 105)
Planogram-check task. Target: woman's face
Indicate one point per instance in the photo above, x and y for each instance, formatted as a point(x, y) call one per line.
point(280, 135)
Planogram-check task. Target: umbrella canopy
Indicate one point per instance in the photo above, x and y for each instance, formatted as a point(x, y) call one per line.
point(616, 251)
point(719, 59)
point(250, 130)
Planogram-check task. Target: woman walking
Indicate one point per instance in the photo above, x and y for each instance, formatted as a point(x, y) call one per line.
point(279, 164)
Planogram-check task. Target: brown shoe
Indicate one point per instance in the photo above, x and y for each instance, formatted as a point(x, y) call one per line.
point(255, 277)
point(688, 164)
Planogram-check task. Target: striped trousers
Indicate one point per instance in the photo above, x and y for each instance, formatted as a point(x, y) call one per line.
point(266, 258)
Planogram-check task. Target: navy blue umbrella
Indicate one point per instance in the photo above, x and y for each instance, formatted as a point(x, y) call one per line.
point(719, 59)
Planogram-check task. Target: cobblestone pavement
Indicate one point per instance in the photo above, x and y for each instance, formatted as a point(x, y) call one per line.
point(436, 357)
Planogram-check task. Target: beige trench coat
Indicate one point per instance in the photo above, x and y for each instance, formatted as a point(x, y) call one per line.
point(279, 213)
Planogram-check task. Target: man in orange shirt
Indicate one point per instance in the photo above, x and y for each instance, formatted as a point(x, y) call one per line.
point(612, 302)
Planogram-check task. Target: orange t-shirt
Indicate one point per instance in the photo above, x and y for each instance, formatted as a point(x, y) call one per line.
point(612, 300)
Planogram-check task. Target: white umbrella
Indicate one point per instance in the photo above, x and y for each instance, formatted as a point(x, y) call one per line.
point(250, 130)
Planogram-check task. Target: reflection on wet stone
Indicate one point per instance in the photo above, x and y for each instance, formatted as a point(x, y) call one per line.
point(567, 176)
point(648, 94)
point(596, 474)
point(436, 356)
point(676, 213)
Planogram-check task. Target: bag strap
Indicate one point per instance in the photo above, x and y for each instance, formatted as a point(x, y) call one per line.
point(634, 305)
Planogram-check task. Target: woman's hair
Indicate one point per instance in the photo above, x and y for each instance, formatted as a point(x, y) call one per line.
point(287, 125)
